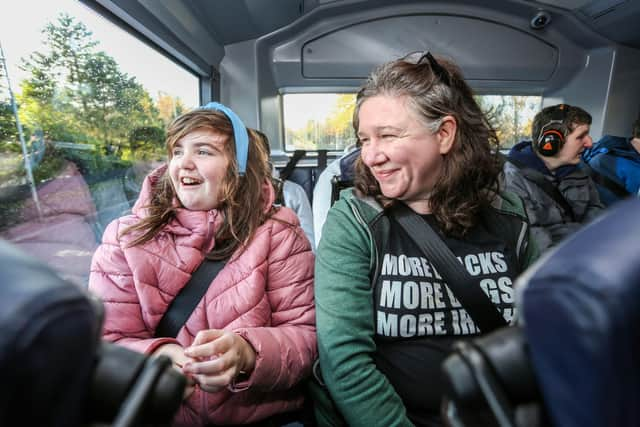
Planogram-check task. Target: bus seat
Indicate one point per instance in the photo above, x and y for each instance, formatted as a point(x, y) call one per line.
point(304, 177)
point(347, 175)
point(49, 333)
point(55, 369)
point(580, 311)
point(588, 293)
point(327, 188)
point(491, 378)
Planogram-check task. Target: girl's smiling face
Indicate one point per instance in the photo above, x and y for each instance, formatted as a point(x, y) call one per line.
point(197, 169)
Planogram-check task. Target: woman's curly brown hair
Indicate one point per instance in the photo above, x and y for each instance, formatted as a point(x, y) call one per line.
point(469, 178)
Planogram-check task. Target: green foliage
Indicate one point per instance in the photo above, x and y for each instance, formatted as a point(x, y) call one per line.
point(333, 133)
point(147, 142)
point(511, 116)
point(78, 94)
point(169, 108)
point(50, 166)
point(94, 167)
point(8, 129)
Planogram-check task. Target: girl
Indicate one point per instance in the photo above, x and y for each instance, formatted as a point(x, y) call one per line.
point(251, 339)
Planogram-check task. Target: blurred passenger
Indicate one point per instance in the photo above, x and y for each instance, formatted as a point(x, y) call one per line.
point(116, 191)
point(58, 230)
point(135, 175)
point(616, 163)
point(251, 339)
point(559, 196)
point(293, 196)
point(386, 319)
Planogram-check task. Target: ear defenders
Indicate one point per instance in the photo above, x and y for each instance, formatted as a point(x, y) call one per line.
point(553, 134)
point(240, 134)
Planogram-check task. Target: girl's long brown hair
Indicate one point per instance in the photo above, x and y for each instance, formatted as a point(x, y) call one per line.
point(242, 197)
point(470, 175)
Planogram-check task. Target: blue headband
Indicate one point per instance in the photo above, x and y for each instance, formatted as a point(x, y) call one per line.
point(240, 134)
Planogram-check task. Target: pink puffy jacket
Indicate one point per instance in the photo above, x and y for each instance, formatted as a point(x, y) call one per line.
point(265, 294)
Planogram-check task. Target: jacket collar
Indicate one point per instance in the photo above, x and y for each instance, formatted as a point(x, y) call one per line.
point(523, 153)
point(202, 225)
point(199, 225)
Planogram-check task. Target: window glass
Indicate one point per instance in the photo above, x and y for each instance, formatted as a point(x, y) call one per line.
point(317, 121)
point(93, 103)
point(511, 116)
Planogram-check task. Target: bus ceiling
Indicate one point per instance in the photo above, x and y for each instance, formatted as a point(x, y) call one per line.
point(247, 53)
point(196, 32)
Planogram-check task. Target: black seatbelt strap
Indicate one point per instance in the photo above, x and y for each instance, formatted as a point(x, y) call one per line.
point(287, 170)
point(465, 287)
point(546, 186)
point(322, 160)
point(188, 298)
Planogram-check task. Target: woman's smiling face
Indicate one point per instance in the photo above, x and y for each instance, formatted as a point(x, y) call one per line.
point(404, 156)
point(197, 168)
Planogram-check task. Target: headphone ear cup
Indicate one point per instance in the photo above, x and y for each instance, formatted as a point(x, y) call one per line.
point(553, 133)
point(550, 142)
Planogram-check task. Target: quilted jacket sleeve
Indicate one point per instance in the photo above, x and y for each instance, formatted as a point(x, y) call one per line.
point(286, 349)
point(112, 281)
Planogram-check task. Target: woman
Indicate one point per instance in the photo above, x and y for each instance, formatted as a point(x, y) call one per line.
point(385, 317)
point(251, 339)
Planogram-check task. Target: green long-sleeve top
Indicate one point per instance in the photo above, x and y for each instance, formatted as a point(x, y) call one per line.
point(344, 312)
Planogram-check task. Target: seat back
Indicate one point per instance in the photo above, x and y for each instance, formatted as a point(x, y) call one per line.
point(306, 176)
point(323, 192)
point(50, 332)
point(55, 369)
point(578, 345)
point(587, 293)
point(347, 174)
point(492, 378)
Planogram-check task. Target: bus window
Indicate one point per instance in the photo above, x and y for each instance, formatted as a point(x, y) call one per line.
point(510, 115)
point(93, 102)
point(318, 121)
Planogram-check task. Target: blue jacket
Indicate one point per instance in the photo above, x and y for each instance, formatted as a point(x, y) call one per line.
point(615, 158)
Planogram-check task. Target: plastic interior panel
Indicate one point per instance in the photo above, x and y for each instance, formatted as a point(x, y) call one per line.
point(352, 51)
